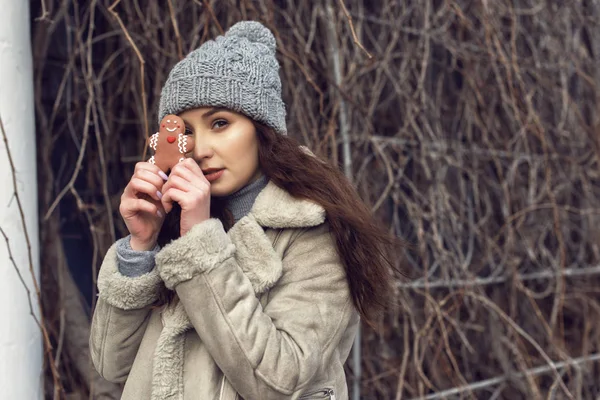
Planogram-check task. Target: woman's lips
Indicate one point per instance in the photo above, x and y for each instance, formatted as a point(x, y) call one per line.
point(213, 175)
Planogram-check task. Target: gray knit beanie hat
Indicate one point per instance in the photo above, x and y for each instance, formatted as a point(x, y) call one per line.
point(237, 71)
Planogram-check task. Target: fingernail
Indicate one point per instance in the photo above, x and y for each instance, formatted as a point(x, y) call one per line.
point(163, 175)
point(159, 194)
point(160, 215)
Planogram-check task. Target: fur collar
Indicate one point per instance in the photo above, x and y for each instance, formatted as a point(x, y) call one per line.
point(274, 207)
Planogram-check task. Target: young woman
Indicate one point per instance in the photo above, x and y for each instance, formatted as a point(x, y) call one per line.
point(248, 268)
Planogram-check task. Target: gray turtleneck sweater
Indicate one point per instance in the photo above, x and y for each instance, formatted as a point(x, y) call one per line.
point(240, 203)
point(135, 263)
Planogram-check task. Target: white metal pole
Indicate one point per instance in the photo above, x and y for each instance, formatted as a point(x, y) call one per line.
point(20, 339)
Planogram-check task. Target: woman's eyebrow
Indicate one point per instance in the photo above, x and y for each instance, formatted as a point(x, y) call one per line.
point(212, 111)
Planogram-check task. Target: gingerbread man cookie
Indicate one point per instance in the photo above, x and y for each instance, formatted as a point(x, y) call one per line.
point(170, 143)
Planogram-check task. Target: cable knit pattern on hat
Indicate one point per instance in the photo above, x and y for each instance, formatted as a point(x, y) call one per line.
point(237, 71)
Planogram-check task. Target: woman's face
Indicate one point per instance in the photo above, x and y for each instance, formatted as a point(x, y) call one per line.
point(226, 147)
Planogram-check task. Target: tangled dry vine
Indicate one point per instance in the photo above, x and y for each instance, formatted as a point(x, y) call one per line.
point(472, 131)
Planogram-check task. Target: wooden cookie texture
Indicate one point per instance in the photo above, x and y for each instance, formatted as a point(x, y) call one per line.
point(170, 143)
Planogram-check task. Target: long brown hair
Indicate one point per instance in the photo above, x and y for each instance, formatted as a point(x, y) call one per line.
point(362, 244)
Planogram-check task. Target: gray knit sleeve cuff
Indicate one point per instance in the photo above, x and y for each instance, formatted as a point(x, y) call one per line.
point(134, 263)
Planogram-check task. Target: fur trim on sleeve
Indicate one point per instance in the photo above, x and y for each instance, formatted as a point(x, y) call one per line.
point(127, 293)
point(203, 248)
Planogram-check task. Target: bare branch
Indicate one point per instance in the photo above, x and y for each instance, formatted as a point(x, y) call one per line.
point(501, 379)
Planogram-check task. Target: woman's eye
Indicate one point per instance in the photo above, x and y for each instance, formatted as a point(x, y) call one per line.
point(219, 123)
point(188, 131)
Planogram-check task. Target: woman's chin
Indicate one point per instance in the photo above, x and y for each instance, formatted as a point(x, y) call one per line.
point(220, 189)
point(223, 186)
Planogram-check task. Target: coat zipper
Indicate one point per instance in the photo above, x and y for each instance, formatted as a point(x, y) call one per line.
point(222, 386)
point(320, 394)
point(237, 396)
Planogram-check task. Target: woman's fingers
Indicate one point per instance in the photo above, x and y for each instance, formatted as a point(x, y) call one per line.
point(145, 180)
point(173, 195)
point(144, 165)
point(190, 171)
point(142, 186)
point(136, 205)
point(187, 195)
point(190, 164)
point(186, 185)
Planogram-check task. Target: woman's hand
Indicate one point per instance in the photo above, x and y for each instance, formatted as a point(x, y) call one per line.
point(189, 188)
point(140, 206)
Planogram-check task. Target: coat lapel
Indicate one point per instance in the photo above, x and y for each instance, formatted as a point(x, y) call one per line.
point(276, 208)
point(273, 208)
point(255, 255)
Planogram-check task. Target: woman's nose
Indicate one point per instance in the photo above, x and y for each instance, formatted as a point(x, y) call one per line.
point(202, 150)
